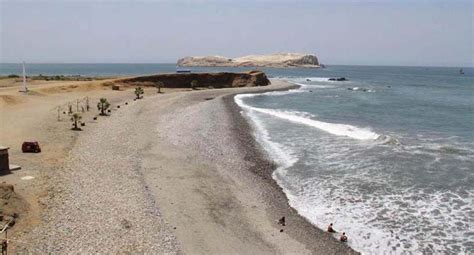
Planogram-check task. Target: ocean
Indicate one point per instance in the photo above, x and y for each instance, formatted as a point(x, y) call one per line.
point(387, 156)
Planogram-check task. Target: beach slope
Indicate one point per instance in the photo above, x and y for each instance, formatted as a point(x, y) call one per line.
point(173, 173)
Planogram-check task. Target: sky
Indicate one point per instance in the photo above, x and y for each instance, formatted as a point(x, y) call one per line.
point(347, 32)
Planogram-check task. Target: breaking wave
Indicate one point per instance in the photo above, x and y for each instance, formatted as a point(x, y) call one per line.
point(304, 119)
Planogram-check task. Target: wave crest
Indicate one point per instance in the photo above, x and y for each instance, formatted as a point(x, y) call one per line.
point(302, 118)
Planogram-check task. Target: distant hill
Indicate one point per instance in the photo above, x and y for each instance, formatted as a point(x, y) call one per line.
point(282, 60)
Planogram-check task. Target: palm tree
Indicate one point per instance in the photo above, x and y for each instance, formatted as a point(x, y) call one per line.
point(194, 84)
point(159, 85)
point(76, 117)
point(139, 91)
point(103, 105)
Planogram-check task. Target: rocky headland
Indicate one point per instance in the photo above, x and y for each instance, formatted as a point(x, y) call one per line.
point(278, 60)
point(214, 80)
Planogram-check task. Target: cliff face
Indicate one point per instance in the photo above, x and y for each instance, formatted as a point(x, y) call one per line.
point(273, 60)
point(215, 80)
point(205, 61)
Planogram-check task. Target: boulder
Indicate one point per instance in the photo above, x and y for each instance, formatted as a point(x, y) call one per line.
point(338, 79)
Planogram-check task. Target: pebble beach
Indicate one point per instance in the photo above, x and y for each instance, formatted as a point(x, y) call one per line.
point(172, 173)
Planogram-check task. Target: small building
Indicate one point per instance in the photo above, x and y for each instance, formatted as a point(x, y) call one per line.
point(4, 162)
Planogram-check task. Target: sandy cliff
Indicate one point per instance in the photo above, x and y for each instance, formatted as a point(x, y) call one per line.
point(273, 60)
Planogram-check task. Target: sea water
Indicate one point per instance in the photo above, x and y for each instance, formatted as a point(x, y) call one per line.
point(387, 156)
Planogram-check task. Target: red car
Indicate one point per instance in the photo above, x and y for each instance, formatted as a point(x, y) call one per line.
point(31, 146)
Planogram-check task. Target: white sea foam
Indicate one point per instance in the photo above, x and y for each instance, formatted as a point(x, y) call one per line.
point(383, 224)
point(279, 93)
point(282, 156)
point(388, 140)
point(306, 86)
point(392, 220)
point(380, 215)
point(300, 118)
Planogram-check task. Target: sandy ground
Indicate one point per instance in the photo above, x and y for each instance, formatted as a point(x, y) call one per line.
point(171, 173)
point(34, 116)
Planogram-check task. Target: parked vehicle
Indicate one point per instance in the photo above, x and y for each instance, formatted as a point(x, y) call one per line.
point(31, 146)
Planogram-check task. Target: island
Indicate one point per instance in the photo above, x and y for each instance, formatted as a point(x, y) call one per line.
point(277, 60)
point(208, 80)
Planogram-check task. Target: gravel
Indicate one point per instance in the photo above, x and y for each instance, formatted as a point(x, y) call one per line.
point(99, 203)
point(217, 132)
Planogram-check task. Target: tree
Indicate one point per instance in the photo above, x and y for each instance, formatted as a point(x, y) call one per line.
point(194, 84)
point(139, 91)
point(159, 85)
point(103, 105)
point(76, 117)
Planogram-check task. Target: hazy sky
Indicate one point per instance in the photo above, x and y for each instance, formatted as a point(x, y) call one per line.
point(384, 32)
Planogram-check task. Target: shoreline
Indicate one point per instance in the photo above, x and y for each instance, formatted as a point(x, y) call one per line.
point(226, 175)
point(265, 168)
point(202, 184)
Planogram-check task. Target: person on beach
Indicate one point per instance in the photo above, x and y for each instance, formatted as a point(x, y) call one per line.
point(282, 221)
point(343, 237)
point(331, 229)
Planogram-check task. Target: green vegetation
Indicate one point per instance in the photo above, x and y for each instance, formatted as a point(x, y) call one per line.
point(139, 91)
point(76, 117)
point(103, 105)
point(42, 77)
point(66, 78)
point(159, 85)
point(11, 76)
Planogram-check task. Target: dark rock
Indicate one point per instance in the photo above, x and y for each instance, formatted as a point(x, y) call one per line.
point(338, 79)
point(216, 80)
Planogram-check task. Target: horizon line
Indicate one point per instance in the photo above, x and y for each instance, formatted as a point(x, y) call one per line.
point(170, 63)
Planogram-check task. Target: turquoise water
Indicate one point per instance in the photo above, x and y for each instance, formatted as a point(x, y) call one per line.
point(388, 156)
